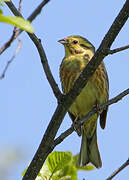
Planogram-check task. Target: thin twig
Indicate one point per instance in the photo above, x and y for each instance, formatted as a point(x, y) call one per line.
point(118, 49)
point(20, 6)
point(11, 60)
point(37, 11)
point(8, 43)
point(78, 123)
point(63, 135)
point(124, 165)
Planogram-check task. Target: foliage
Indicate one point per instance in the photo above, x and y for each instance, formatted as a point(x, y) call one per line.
point(61, 165)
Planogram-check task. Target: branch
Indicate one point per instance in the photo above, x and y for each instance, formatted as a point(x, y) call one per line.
point(19, 31)
point(33, 15)
point(63, 135)
point(118, 49)
point(37, 10)
point(118, 170)
point(94, 110)
point(8, 43)
point(11, 60)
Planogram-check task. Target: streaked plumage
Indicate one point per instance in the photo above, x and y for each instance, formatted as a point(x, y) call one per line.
point(78, 52)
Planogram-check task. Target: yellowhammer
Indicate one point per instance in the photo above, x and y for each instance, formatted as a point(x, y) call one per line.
point(78, 52)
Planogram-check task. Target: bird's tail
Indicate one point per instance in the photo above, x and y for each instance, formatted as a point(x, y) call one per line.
point(89, 151)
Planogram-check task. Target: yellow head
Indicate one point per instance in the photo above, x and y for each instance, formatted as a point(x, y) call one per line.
point(77, 45)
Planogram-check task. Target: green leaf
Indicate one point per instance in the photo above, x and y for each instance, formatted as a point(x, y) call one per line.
point(61, 166)
point(18, 22)
point(58, 160)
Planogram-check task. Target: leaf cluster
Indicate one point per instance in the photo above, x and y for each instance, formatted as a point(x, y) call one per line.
point(61, 165)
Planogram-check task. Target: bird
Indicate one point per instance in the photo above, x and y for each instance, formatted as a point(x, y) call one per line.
point(78, 52)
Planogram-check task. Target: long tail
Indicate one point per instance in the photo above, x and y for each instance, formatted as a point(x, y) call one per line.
point(89, 151)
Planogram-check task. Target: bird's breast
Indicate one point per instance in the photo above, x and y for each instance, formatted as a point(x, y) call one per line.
point(70, 70)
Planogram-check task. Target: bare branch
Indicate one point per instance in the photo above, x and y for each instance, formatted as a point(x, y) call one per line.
point(118, 170)
point(8, 43)
point(118, 49)
point(20, 6)
point(33, 15)
point(37, 10)
point(63, 135)
point(11, 60)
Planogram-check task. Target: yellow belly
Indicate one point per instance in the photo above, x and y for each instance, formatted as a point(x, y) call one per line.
point(83, 104)
point(85, 101)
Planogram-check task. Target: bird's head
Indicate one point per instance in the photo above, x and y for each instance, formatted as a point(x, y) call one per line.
point(77, 45)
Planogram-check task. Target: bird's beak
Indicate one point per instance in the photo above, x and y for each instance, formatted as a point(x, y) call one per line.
point(63, 41)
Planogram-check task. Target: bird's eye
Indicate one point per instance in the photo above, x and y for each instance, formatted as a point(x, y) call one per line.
point(75, 42)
